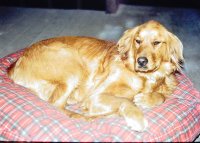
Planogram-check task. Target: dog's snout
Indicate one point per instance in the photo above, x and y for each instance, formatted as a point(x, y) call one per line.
point(142, 61)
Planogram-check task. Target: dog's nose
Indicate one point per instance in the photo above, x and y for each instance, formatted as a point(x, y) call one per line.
point(142, 61)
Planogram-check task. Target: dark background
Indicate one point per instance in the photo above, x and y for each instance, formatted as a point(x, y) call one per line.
point(96, 4)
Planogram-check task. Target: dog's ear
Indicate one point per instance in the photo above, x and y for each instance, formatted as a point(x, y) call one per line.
point(175, 51)
point(126, 41)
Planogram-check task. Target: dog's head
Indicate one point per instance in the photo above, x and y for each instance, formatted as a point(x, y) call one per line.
point(145, 47)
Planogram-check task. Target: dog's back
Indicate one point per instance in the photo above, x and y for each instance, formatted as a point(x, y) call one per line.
point(49, 64)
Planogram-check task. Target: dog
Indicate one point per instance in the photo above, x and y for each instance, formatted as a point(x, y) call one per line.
point(102, 77)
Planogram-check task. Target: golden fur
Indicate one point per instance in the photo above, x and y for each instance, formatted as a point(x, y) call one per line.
point(103, 77)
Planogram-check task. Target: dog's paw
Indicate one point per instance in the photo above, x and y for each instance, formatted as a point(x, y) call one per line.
point(133, 117)
point(150, 100)
point(137, 125)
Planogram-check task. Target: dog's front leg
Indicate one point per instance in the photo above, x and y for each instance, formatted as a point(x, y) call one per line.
point(150, 95)
point(155, 94)
point(149, 100)
point(107, 104)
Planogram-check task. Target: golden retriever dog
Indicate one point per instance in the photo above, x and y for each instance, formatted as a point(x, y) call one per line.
point(104, 78)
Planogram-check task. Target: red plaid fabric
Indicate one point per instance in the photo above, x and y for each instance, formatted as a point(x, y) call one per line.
point(25, 117)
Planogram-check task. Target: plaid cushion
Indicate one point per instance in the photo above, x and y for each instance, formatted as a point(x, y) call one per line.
point(25, 117)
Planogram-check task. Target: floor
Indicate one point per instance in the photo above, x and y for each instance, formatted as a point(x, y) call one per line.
point(20, 27)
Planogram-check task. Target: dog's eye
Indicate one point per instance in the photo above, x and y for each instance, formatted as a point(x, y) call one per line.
point(138, 41)
point(156, 43)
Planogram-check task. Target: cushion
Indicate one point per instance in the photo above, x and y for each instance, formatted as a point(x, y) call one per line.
point(25, 117)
